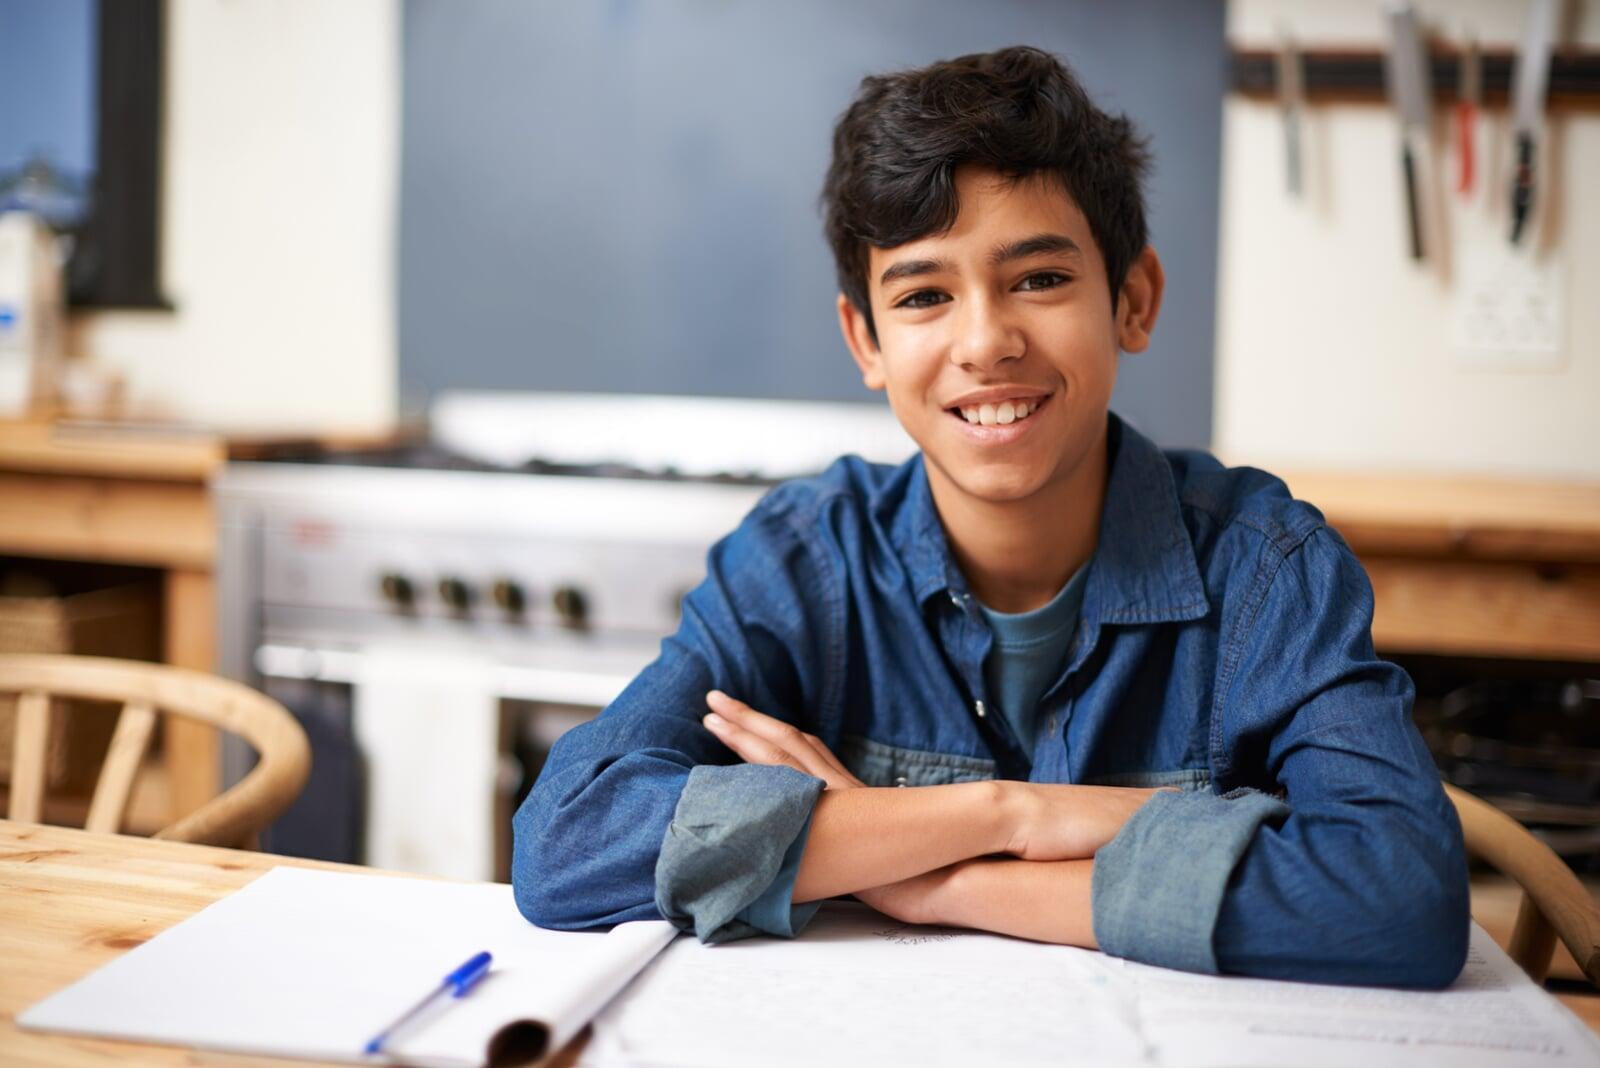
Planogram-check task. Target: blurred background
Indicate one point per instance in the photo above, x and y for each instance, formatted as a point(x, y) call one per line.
point(295, 300)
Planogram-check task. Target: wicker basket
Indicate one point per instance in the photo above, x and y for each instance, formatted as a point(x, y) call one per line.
point(121, 621)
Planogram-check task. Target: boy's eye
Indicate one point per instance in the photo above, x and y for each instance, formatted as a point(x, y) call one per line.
point(922, 298)
point(1043, 280)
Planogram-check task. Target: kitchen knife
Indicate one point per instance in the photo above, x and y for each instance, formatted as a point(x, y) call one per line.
point(1291, 97)
point(1408, 90)
point(1469, 98)
point(1532, 78)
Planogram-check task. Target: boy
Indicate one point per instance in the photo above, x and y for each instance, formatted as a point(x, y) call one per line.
point(1042, 679)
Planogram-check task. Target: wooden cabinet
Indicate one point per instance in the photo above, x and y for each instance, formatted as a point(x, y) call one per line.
point(128, 497)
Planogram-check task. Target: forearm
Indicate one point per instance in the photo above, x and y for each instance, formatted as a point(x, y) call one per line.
point(1047, 901)
point(868, 837)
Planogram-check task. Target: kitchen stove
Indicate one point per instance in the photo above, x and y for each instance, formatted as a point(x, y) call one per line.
point(524, 563)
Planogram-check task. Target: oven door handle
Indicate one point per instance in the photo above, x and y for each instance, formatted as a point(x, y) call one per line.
point(511, 682)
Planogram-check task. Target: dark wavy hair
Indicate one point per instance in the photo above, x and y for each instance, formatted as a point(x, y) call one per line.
point(1018, 111)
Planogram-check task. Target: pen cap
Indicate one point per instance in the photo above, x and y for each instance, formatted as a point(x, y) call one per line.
point(466, 977)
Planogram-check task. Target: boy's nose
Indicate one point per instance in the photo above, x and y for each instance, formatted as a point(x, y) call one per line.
point(984, 338)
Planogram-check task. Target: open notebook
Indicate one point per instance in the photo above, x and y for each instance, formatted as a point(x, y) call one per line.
point(312, 964)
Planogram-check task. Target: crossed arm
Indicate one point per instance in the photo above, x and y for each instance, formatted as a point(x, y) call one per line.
point(1010, 857)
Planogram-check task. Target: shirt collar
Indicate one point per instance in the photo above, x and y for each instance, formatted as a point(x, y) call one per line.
point(1143, 570)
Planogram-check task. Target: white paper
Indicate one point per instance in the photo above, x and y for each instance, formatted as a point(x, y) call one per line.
point(428, 725)
point(1493, 1016)
point(312, 964)
point(857, 989)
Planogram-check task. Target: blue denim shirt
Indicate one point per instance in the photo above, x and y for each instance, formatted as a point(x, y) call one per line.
point(1224, 647)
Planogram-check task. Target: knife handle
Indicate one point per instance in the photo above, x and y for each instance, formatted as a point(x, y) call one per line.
point(1408, 164)
point(1522, 186)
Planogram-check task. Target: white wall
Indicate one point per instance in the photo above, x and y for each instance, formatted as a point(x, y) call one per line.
point(1334, 349)
point(278, 220)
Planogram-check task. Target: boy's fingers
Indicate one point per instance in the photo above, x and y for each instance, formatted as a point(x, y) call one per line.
point(719, 700)
point(774, 730)
point(816, 758)
point(750, 746)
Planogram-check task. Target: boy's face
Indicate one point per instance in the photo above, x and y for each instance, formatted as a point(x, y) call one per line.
point(997, 343)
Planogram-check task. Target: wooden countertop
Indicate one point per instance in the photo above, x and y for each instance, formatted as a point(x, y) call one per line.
point(1439, 515)
point(151, 451)
point(116, 452)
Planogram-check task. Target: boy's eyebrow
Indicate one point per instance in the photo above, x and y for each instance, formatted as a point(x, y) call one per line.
point(1033, 246)
point(908, 268)
point(1036, 245)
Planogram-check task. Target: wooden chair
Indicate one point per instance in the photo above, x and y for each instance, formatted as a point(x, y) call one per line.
point(143, 689)
point(1553, 900)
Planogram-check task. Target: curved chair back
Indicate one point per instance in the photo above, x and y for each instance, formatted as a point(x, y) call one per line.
point(144, 690)
point(1554, 902)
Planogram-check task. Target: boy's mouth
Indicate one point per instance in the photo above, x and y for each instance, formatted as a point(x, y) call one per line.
point(1003, 413)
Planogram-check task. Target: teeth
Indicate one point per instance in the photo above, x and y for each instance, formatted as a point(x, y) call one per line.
point(1002, 414)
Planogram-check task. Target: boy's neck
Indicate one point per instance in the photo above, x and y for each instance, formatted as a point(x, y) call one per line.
point(1017, 555)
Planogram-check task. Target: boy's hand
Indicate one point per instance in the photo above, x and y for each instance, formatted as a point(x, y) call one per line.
point(1066, 822)
point(760, 739)
point(913, 900)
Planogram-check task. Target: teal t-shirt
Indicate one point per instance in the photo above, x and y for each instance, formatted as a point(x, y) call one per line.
point(1026, 656)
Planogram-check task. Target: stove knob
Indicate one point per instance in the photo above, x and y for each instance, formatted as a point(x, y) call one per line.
point(397, 590)
point(571, 606)
point(457, 595)
point(509, 596)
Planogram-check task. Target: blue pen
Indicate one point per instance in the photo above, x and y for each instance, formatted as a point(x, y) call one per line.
point(457, 984)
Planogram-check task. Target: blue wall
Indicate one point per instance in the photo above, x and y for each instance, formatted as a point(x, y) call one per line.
point(622, 196)
point(47, 84)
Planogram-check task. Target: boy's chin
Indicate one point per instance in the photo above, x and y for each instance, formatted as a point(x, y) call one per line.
point(1000, 484)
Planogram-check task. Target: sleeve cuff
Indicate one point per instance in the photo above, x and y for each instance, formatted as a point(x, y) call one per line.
point(774, 911)
point(738, 833)
point(1158, 885)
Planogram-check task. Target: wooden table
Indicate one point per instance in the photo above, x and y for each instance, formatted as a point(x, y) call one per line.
point(70, 901)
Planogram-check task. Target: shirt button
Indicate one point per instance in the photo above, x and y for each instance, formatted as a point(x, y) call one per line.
point(899, 780)
point(1052, 724)
point(955, 598)
point(977, 706)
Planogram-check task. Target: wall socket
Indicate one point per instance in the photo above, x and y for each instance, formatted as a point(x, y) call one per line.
point(1508, 311)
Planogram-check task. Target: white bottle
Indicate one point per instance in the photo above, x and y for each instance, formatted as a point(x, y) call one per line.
point(32, 314)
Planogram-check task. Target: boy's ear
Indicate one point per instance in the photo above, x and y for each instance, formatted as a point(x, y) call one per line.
point(1140, 301)
point(857, 336)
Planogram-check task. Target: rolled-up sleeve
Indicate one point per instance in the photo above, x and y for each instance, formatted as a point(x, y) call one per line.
point(1358, 875)
point(732, 852)
point(1146, 907)
point(642, 813)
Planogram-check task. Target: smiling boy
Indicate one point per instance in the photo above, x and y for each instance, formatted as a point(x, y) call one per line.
point(1042, 679)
